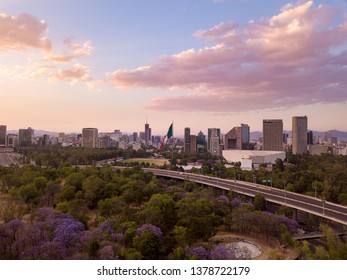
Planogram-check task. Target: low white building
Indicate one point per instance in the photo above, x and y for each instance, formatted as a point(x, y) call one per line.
point(250, 157)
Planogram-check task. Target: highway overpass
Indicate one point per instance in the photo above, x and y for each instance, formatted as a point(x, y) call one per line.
point(308, 204)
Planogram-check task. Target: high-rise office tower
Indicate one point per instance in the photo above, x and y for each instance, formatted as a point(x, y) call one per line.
point(299, 131)
point(148, 133)
point(245, 136)
point(201, 142)
point(215, 148)
point(310, 138)
point(25, 137)
point(46, 140)
point(232, 140)
point(90, 137)
point(187, 140)
point(192, 144)
point(12, 140)
point(2, 135)
point(272, 135)
point(212, 132)
point(237, 138)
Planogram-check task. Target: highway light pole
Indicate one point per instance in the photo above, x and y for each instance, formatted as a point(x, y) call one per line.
point(235, 181)
point(285, 192)
point(255, 181)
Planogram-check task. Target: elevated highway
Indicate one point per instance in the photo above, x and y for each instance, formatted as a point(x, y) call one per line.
point(308, 204)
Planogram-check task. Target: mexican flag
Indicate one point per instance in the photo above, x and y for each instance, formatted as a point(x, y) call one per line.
point(168, 135)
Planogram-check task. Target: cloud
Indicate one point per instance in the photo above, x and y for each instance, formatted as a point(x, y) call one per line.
point(76, 72)
point(23, 32)
point(289, 59)
point(73, 51)
point(26, 32)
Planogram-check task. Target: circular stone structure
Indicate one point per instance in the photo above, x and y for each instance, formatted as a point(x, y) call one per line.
point(244, 249)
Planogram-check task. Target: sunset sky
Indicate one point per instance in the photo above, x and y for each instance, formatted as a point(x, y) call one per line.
point(65, 65)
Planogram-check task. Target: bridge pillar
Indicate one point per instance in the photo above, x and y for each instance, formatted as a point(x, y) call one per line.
point(295, 214)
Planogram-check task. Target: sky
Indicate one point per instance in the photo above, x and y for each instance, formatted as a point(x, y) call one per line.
point(65, 65)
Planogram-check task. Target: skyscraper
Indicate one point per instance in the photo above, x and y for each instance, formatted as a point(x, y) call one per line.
point(148, 133)
point(237, 138)
point(245, 136)
point(25, 137)
point(310, 138)
point(90, 137)
point(192, 144)
point(201, 142)
point(215, 148)
point(212, 132)
point(272, 135)
point(187, 140)
point(299, 130)
point(232, 140)
point(2, 135)
point(45, 140)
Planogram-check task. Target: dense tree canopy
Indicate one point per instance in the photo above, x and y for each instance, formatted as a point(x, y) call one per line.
point(58, 210)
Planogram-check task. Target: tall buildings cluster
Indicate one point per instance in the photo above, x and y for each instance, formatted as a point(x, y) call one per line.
point(89, 138)
point(238, 138)
point(300, 141)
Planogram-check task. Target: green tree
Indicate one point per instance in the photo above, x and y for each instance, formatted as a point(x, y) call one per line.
point(75, 179)
point(68, 193)
point(149, 245)
point(196, 213)
point(91, 187)
point(160, 211)
point(29, 193)
point(259, 202)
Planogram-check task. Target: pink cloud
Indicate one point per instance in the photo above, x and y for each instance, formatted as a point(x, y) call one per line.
point(73, 51)
point(76, 72)
point(23, 32)
point(285, 60)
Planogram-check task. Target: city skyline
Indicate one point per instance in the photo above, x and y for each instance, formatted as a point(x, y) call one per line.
point(200, 64)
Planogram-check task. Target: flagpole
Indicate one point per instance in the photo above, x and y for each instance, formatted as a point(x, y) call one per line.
point(172, 138)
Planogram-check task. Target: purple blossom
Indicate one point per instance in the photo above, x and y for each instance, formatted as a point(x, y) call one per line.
point(220, 252)
point(13, 227)
point(199, 252)
point(53, 251)
point(149, 227)
point(41, 214)
point(119, 237)
point(68, 232)
point(107, 253)
point(291, 224)
point(224, 199)
point(106, 228)
point(236, 202)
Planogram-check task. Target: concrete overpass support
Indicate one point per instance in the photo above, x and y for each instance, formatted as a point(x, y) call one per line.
point(295, 214)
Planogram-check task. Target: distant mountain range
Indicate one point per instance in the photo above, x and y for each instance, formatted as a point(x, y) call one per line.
point(340, 135)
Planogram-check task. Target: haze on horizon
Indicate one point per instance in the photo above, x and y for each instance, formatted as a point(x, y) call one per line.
point(65, 65)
